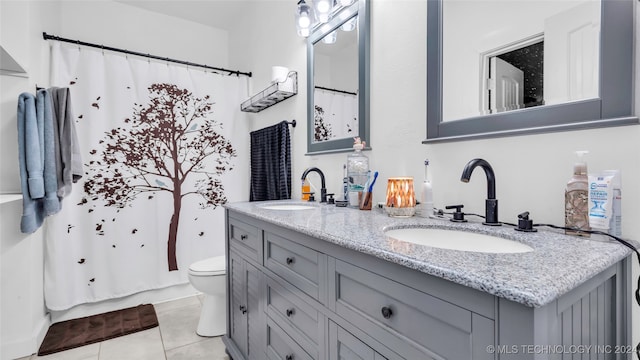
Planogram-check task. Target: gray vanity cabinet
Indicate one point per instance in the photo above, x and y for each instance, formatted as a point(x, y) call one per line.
point(292, 296)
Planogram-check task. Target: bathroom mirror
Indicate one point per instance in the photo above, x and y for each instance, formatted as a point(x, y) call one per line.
point(594, 92)
point(338, 81)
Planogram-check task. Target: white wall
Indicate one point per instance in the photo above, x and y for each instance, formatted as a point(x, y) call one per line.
point(531, 170)
point(23, 316)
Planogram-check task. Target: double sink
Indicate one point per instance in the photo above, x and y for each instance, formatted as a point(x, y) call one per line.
point(450, 239)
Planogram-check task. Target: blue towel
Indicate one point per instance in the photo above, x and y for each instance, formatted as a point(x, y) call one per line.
point(31, 159)
point(44, 106)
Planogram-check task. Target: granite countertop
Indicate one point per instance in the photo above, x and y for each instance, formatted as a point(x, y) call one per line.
point(558, 264)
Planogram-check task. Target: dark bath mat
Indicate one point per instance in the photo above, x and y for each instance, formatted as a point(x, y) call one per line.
point(91, 329)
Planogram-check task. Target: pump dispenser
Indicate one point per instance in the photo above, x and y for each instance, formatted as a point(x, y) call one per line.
point(357, 171)
point(425, 209)
point(576, 198)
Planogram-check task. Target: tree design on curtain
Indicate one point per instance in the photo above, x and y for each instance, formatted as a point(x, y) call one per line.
point(323, 130)
point(167, 143)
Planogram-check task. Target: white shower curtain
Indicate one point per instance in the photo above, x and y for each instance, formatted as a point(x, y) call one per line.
point(337, 113)
point(158, 158)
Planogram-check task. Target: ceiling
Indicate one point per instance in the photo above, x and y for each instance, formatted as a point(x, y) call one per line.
point(222, 14)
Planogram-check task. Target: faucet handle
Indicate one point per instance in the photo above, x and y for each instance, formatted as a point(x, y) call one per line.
point(311, 197)
point(330, 199)
point(524, 223)
point(458, 215)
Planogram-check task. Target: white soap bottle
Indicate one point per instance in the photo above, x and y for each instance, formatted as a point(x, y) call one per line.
point(425, 209)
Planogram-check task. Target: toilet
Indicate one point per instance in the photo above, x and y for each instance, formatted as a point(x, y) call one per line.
point(208, 277)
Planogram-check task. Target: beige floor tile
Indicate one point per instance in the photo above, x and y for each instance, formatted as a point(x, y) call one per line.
point(178, 327)
point(165, 306)
point(143, 345)
point(87, 352)
point(209, 349)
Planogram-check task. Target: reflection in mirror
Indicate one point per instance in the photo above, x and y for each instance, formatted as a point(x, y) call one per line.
point(338, 80)
point(335, 73)
point(510, 62)
point(566, 65)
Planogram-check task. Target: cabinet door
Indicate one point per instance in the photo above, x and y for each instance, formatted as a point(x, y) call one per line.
point(245, 308)
point(255, 313)
point(344, 346)
point(237, 302)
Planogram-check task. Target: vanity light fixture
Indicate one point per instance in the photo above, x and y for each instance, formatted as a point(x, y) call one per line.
point(350, 25)
point(330, 38)
point(315, 12)
point(304, 18)
point(323, 9)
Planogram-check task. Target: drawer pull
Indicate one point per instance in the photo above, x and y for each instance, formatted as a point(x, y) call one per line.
point(290, 260)
point(244, 237)
point(386, 312)
point(243, 309)
point(290, 312)
point(288, 357)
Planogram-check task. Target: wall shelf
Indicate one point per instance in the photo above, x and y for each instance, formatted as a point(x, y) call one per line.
point(9, 66)
point(273, 94)
point(7, 198)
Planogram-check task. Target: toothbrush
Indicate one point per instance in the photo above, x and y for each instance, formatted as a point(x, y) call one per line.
point(375, 177)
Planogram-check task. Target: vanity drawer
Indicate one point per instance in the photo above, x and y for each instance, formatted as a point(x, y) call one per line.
point(393, 312)
point(294, 313)
point(246, 239)
point(301, 266)
point(281, 346)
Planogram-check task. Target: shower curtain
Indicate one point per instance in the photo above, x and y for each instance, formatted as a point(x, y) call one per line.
point(156, 142)
point(336, 115)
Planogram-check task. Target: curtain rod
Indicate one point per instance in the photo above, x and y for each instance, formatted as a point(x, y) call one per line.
point(335, 90)
point(78, 42)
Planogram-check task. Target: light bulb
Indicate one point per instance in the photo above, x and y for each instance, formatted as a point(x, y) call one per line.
point(304, 21)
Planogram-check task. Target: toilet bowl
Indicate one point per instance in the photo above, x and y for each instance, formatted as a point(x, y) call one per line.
point(208, 277)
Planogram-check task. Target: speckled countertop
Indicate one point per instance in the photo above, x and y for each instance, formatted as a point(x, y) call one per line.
point(558, 264)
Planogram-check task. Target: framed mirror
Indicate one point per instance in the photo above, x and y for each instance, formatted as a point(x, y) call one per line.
point(565, 65)
point(338, 80)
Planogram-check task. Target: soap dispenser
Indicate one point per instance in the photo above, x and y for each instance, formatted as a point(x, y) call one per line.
point(425, 209)
point(576, 199)
point(357, 172)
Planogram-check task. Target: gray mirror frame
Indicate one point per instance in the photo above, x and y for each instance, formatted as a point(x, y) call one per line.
point(360, 8)
point(614, 107)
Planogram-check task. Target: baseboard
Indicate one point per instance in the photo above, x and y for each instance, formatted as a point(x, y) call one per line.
point(26, 347)
point(145, 297)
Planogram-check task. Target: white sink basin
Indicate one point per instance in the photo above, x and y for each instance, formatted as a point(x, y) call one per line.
point(287, 207)
point(458, 240)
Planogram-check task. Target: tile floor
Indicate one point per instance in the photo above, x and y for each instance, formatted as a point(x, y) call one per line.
point(174, 339)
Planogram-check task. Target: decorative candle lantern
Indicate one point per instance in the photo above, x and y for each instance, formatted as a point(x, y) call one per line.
point(401, 199)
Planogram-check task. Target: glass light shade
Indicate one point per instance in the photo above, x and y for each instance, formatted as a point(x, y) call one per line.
point(350, 25)
point(330, 38)
point(323, 9)
point(304, 18)
point(346, 2)
point(400, 199)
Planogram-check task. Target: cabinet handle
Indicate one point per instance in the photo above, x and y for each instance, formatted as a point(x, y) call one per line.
point(243, 309)
point(290, 260)
point(288, 357)
point(386, 312)
point(290, 312)
point(243, 237)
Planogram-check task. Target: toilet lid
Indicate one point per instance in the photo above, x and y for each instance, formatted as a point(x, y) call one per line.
point(211, 266)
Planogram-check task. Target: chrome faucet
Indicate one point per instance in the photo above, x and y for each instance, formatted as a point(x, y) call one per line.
point(491, 203)
point(323, 189)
